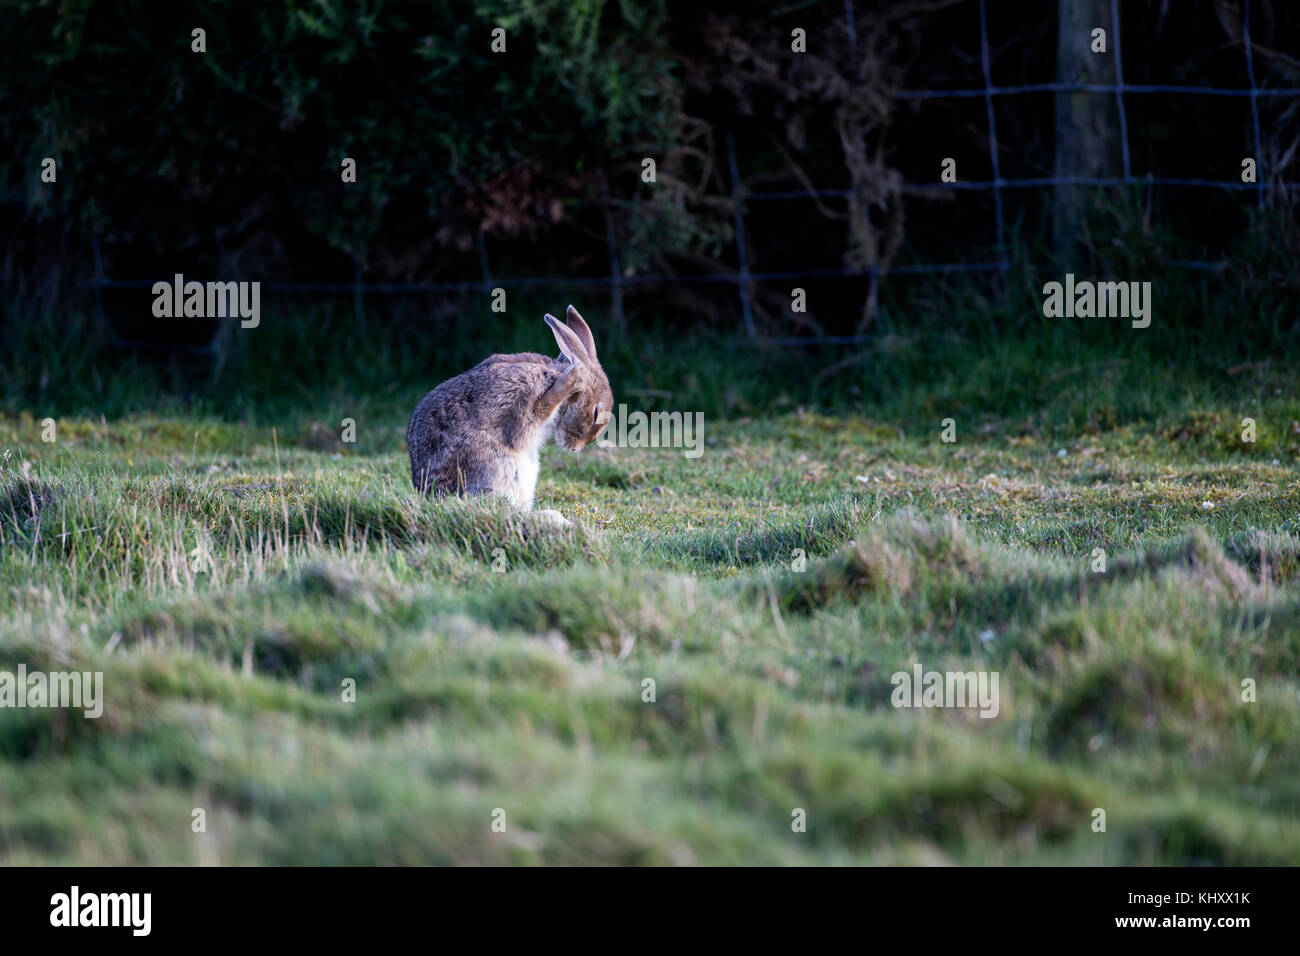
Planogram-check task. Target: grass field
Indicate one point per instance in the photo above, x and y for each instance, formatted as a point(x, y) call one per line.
point(231, 580)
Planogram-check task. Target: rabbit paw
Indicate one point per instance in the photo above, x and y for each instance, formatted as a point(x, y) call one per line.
point(555, 518)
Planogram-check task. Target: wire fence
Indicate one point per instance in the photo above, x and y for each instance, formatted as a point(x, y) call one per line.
point(744, 279)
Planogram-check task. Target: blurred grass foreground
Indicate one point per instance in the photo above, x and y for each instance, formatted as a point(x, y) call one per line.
point(335, 670)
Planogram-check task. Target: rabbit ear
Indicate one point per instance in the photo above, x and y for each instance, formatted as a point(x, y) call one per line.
point(568, 341)
point(578, 325)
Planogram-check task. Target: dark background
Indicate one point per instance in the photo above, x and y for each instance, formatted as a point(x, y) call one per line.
point(477, 169)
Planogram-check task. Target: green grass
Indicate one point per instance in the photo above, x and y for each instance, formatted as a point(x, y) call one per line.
point(521, 689)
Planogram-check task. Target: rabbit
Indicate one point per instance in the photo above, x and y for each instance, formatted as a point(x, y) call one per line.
point(480, 432)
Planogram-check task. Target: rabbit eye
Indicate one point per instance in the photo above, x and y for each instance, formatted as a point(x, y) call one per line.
point(595, 415)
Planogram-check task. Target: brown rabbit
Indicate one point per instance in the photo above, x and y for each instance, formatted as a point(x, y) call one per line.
point(480, 432)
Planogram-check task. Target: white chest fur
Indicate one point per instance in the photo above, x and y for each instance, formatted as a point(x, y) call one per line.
point(528, 466)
